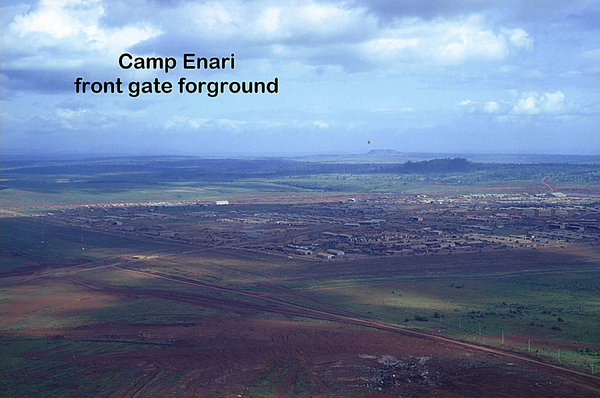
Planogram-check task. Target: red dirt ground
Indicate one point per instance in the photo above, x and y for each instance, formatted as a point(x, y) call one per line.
point(281, 357)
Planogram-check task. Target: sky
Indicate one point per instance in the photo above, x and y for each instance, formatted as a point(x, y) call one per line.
point(442, 76)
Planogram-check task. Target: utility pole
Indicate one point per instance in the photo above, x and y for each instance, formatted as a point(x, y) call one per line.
point(42, 242)
point(503, 337)
point(529, 345)
point(480, 328)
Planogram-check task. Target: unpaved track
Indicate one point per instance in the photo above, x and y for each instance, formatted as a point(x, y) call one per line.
point(592, 380)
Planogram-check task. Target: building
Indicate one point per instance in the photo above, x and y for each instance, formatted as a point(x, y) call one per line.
point(476, 243)
point(528, 213)
point(545, 213)
point(419, 248)
point(325, 255)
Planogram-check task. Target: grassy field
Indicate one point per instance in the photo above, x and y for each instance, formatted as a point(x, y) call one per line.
point(553, 300)
point(79, 316)
point(65, 367)
point(49, 320)
point(21, 245)
point(45, 184)
point(554, 312)
point(62, 195)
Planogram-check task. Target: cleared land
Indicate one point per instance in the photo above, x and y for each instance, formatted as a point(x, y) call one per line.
point(216, 300)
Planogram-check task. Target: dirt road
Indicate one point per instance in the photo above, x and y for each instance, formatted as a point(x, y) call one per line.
point(592, 380)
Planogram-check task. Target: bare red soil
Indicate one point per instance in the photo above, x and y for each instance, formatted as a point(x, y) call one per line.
point(249, 355)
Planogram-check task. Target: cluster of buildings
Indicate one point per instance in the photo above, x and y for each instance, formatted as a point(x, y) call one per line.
point(387, 225)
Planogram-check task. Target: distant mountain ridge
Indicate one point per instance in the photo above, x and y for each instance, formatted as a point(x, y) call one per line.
point(383, 153)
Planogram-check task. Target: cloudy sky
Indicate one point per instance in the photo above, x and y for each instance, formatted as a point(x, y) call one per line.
point(452, 76)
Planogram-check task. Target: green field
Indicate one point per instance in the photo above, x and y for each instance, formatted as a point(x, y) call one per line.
point(44, 184)
point(90, 308)
point(21, 245)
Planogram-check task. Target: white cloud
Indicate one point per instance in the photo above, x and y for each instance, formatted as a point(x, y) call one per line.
point(184, 122)
point(519, 38)
point(230, 123)
point(526, 105)
point(388, 49)
point(593, 55)
point(533, 103)
point(60, 19)
point(443, 42)
point(491, 107)
point(296, 37)
point(553, 102)
point(84, 119)
point(321, 124)
point(392, 110)
point(272, 22)
point(591, 61)
point(73, 32)
point(178, 123)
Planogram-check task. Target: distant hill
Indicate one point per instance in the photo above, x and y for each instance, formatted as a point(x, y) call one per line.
point(383, 153)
